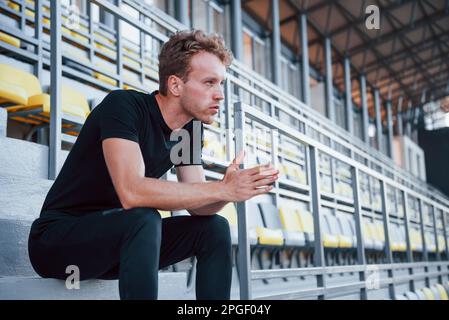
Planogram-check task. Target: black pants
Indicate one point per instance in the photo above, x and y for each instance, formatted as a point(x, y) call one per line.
point(132, 245)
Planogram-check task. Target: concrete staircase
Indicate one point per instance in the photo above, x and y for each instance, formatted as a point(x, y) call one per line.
point(23, 187)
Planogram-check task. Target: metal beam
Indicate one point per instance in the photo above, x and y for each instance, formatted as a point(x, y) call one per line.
point(390, 129)
point(386, 224)
point(399, 117)
point(365, 115)
point(305, 60)
point(328, 82)
point(377, 107)
point(275, 43)
point(348, 96)
point(182, 12)
point(237, 29)
point(408, 237)
point(55, 85)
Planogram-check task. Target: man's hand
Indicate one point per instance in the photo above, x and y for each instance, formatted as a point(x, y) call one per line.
point(240, 185)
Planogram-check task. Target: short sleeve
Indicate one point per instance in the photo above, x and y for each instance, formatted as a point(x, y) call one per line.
point(119, 117)
point(196, 130)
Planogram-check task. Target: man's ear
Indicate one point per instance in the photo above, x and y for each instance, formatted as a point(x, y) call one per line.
point(174, 85)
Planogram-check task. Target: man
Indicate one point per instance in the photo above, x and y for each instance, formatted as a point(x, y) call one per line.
point(100, 214)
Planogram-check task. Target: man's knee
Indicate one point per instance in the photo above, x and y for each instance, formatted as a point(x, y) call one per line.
point(145, 219)
point(218, 230)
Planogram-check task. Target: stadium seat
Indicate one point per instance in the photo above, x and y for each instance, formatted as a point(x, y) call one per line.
point(329, 233)
point(430, 242)
point(421, 295)
point(398, 243)
point(306, 219)
point(416, 240)
point(428, 294)
point(347, 226)
point(291, 224)
point(378, 229)
point(441, 243)
point(412, 296)
point(268, 226)
point(214, 149)
point(344, 241)
point(9, 39)
point(435, 292)
point(442, 292)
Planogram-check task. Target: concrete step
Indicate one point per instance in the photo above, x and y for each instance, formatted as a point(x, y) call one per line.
point(172, 285)
point(21, 200)
point(25, 158)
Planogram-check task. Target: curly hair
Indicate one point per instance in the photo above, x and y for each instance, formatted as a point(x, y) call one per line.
point(177, 52)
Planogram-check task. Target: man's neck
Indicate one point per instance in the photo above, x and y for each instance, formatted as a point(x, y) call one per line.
point(174, 116)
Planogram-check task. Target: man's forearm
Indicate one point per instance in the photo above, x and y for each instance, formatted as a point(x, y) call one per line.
point(209, 209)
point(168, 195)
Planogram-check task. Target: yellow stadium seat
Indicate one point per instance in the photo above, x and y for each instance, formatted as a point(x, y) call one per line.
point(442, 291)
point(105, 79)
point(441, 243)
point(17, 86)
point(428, 293)
point(306, 221)
point(289, 219)
point(415, 240)
point(9, 39)
point(270, 236)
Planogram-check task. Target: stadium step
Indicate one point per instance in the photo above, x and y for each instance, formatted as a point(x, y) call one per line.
point(24, 158)
point(172, 285)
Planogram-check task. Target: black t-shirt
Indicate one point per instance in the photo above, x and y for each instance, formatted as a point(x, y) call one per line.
point(84, 183)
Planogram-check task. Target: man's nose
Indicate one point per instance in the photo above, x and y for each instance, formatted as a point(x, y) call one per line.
point(219, 94)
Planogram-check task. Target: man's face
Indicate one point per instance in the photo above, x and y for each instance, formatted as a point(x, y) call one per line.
point(202, 93)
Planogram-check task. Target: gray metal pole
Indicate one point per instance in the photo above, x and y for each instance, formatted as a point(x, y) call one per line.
point(275, 43)
point(445, 234)
point(390, 129)
point(424, 244)
point(236, 29)
point(365, 115)
point(437, 246)
point(328, 83)
point(55, 85)
point(407, 238)
point(243, 258)
point(182, 12)
point(348, 97)
point(388, 253)
point(38, 32)
point(361, 259)
point(316, 208)
point(305, 60)
point(377, 107)
point(399, 117)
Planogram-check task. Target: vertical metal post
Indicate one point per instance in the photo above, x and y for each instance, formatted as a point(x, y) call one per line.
point(275, 161)
point(119, 66)
point(399, 117)
point(182, 12)
point(328, 83)
point(437, 246)
point(365, 115)
point(275, 43)
point(55, 85)
point(236, 29)
point(388, 253)
point(445, 233)
point(390, 129)
point(407, 238)
point(38, 35)
point(243, 258)
point(305, 60)
point(316, 207)
point(378, 119)
point(228, 110)
point(424, 244)
point(348, 97)
point(361, 259)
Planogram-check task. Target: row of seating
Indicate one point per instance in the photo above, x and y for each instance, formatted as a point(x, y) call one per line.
point(435, 292)
point(22, 96)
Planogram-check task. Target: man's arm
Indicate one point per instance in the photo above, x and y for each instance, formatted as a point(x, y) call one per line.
point(127, 170)
point(195, 174)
